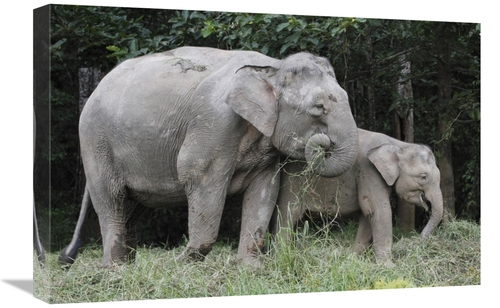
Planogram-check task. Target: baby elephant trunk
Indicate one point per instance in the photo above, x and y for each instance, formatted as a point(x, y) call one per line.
point(331, 158)
point(435, 198)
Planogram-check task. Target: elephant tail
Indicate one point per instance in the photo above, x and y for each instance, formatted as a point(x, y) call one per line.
point(68, 254)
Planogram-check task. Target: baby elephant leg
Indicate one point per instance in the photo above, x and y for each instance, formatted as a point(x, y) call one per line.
point(364, 235)
point(376, 208)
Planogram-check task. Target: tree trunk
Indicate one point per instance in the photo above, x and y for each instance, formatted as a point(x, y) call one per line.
point(370, 88)
point(444, 100)
point(446, 168)
point(404, 129)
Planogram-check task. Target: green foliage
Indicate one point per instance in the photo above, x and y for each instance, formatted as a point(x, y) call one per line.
point(80, 34)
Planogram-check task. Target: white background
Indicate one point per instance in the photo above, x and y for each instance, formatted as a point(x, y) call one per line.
point(16, 148)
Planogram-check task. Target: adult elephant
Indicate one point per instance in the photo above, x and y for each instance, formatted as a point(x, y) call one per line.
point(383, 163)
point(195, 124)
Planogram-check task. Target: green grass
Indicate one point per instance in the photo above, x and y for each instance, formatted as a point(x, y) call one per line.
point(317, 263)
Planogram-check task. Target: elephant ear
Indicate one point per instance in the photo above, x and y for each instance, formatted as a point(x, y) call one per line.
point(253, 97)
point(386, 159)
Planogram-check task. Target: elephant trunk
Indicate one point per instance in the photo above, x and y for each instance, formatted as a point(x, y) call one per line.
point(436, 201)
point(329, 157)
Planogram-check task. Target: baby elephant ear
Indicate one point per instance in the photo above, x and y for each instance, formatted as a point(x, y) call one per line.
point(253, 97)
point(386, 160)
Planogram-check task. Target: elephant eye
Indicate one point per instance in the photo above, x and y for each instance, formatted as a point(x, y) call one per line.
point(332, 98)
point(423, 177)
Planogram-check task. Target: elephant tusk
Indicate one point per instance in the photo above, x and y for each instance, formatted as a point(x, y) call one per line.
point(424, 204)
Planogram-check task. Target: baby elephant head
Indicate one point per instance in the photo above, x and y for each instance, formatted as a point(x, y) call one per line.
point(413, 172)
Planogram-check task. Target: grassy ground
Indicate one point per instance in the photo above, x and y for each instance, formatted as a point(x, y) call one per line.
point(320, 262)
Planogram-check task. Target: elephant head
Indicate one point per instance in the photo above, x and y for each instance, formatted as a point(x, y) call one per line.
point(298, 103)
point(413, 172)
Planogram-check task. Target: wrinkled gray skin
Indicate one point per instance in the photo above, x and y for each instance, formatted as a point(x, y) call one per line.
point(382, 163)
point(196, 124)
point(40, 252)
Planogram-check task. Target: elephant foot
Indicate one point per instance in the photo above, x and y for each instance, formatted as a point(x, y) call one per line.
point(115, 264)
point(194, 254)
point(67, 257)
point(387, 263)
point(251, 263)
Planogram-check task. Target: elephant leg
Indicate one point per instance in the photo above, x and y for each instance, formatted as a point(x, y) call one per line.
point(117, 217)
point(203, 223)
point(364, 235)
point(134, 210)
point(374, 202)
point(381, 224)
point(206, 198)
point(258, 205)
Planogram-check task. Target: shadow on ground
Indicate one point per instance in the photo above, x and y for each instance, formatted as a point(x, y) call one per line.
point(22, 284)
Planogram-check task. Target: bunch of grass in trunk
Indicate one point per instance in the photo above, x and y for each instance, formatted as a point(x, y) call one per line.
point(306, 193)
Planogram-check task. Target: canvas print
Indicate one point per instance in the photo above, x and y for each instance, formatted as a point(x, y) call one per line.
point(191, 154)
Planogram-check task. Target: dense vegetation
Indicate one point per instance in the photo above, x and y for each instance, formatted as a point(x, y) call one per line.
point(368, 55)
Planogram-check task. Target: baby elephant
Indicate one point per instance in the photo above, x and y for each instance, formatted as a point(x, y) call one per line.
point(382, 163)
